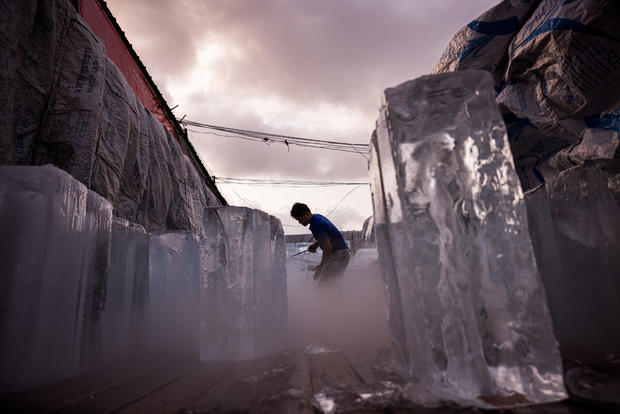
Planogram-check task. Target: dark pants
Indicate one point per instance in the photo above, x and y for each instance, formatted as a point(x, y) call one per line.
point(335, 265)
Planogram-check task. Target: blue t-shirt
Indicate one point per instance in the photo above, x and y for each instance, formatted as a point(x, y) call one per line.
point(323, 229)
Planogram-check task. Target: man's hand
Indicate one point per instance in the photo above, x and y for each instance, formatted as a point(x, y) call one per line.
point(317, 271)
point(312, 248)
point(317, 274)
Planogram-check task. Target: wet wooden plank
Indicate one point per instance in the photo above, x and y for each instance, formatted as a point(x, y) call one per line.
point(372, 364)
point(68, 392)
point(245, 384)
point(116, 398)
point(293, 396)
point(329, 369)
point(180, 394)
point(284, 383)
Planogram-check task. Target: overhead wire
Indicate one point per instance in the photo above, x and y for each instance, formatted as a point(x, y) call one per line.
point(241, 198)
point(212, 174)
point(343, 198)
point(284, 182)
point(204, 163)
point(269, 138)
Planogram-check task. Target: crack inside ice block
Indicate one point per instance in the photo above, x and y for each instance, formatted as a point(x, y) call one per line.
point(468, 313)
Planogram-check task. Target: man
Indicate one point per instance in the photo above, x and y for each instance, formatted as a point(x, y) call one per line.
point(335, 256)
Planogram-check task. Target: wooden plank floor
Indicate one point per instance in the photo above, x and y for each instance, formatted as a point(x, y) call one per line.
point(293, 381)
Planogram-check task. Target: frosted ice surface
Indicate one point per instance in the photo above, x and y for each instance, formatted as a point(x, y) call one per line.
point(261, 277)
point(54, 251)
point(226, 324)
point(243, 285)
point(368, 231)
point(320, 347)
point(79, 288)
point(278, 284)
point(328, 405)
point(468, 314)
point(124, 319)
point(364, 260)
point(92, 293)
point(174, 280)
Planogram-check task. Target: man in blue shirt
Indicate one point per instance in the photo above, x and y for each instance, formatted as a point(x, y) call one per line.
point(335, 256)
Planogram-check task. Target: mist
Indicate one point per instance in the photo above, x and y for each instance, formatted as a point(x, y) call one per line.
point(348, 312)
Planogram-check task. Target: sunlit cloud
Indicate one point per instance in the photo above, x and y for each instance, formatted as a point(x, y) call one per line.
point(308, 69)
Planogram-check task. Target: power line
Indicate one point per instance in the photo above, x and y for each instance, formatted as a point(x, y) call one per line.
point(241, 198)
point(269, 138)
point(260, 135)
point(343, 198)
point(343, 147)
point(283, 182)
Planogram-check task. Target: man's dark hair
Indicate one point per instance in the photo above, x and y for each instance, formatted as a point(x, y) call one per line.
point(299, 209)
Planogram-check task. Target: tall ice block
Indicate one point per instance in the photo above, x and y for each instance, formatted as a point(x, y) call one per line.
point(575, 226)
point(125, 316)
point(54, 255)
point(174, 279)
point(468, 314)
point(243, 284)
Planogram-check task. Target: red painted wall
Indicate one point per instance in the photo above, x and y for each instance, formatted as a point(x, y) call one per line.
point(93, 13)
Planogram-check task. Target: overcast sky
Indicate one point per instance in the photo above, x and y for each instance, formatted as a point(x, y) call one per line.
point(307, 68)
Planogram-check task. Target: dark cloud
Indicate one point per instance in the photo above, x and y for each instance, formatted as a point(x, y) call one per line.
point(157, 32)
point(336, 51)
point(343, 51)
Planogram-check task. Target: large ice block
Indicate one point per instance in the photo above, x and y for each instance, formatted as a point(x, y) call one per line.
point(243, 286)
point(574, 222)
point(468, 312)
point(92, 294)
point(278, 284)
point(125, 316)
point(174, 275)
point(54, 252)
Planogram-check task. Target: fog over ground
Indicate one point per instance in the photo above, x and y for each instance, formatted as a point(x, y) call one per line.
point(313, 69)
point(349, 311)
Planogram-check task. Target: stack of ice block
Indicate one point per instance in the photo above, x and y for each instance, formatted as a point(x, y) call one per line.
point(243, 284)
point(278, 283)
point(575, 222)
point(468, 313)
point(92, 289)
point(54, 252)
point(124, 320)
point(79, 287)
point(174, 274)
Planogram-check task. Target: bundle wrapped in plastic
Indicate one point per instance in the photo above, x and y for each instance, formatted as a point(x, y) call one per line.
point(555, 65)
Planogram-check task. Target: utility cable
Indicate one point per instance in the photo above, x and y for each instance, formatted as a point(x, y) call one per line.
point(241, 198)
point(343, 198)
point(343, 147)
point(268, 138)
point(284, 183)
